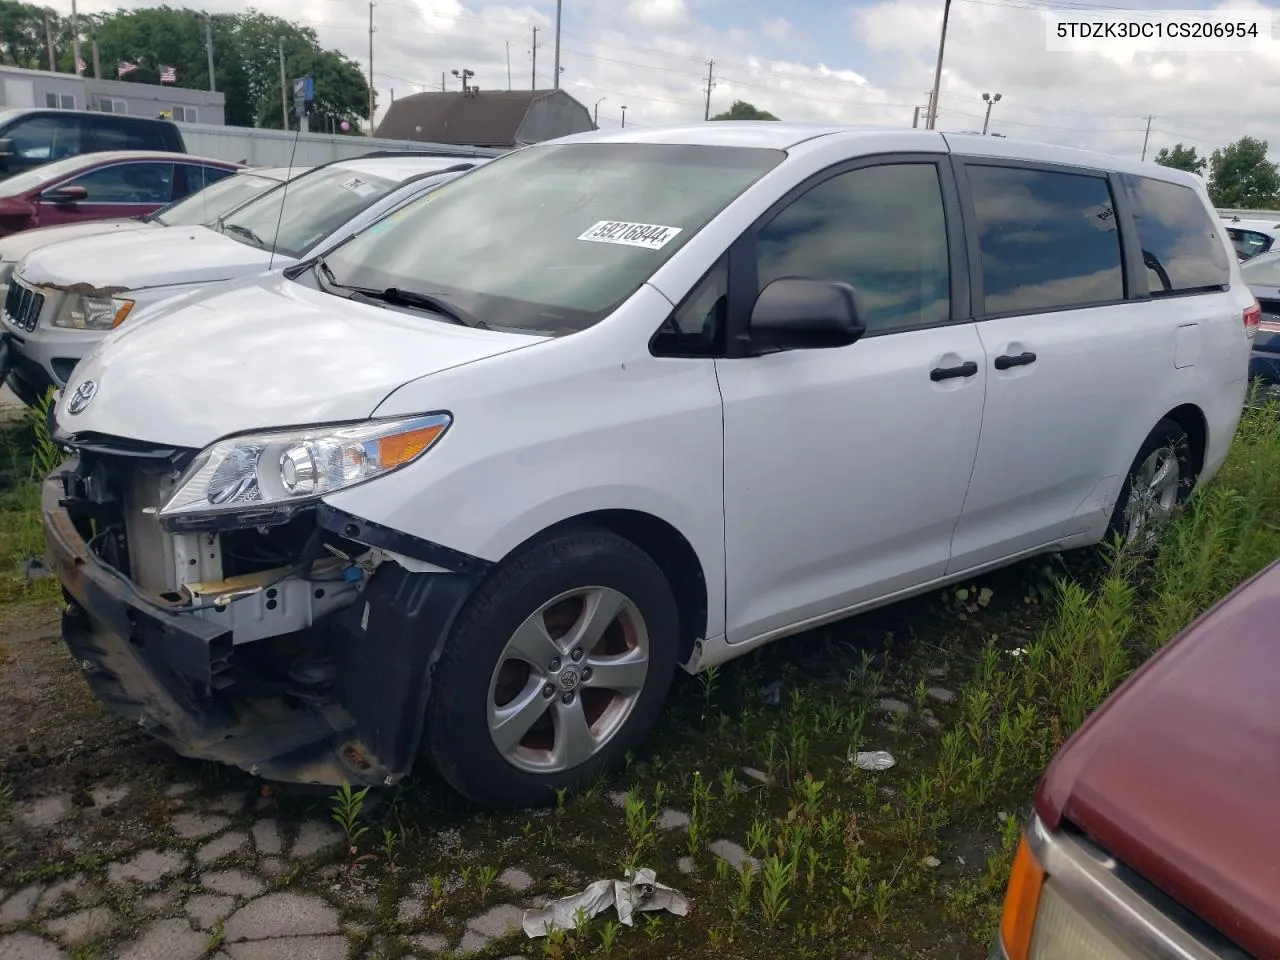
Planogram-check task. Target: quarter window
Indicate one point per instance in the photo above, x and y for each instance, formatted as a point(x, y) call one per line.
point(1047, 240)
point(1181, 248)
point(1249, 243)
point(696, 328)
point(881, 229)
point(149, 183)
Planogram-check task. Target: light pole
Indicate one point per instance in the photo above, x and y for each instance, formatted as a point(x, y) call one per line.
point(991, 102)
point(464, 75)
point(208, 47)
point(937, 71)
point(624, 116)
point(595, 119)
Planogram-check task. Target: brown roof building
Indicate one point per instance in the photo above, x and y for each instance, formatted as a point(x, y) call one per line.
point(485, 118)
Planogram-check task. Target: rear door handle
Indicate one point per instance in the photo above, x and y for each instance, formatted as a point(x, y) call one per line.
point(1004, 361)
point(950, 373)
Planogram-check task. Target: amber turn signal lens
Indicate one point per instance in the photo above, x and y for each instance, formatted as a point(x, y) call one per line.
point(1020, 903)
point(121, 314)
point(400, 448)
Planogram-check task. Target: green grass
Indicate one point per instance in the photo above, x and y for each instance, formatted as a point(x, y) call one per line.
point(907, 862)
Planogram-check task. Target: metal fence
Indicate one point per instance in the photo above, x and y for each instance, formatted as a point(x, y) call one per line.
point(274, 148)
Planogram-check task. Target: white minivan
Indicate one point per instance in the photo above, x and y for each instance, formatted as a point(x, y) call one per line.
point(474, 483)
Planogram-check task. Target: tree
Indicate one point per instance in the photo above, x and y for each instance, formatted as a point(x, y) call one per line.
point(1240, 175)
point(1181, 158)
point(741, 110)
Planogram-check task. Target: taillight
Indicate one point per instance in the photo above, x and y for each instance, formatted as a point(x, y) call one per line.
point(1252, 318)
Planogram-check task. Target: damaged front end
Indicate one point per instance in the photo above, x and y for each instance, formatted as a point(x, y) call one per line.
point(297, 647)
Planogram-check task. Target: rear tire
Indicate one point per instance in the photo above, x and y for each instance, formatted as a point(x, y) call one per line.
point(556, 668)
point(1161, 478)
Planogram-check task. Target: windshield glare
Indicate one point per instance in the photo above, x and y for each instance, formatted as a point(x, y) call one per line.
point(315, 204)
point(552, 238)
point(207, 205)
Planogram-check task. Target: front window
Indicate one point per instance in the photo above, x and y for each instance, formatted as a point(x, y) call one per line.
point(45, 138)
point(141, 183)
point(207, 205)
point(314, 205)
point(551, 238)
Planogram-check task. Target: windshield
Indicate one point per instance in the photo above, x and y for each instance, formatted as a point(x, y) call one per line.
point(1262, 270)
point(37, 176)
point(315, 204)
point(207, 205)
point(551, 238)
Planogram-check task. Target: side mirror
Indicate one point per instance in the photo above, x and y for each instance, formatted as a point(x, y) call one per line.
point(795, 314)
point(65, 195)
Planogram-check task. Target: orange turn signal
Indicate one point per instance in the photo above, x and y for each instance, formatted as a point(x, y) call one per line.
point(1020, 902)
point(122, 313)
point(400, 448)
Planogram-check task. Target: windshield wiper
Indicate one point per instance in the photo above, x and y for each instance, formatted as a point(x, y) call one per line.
point(407, 298)
point(245, 232)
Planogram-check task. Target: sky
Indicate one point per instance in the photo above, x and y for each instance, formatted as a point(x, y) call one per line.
point(869, 62)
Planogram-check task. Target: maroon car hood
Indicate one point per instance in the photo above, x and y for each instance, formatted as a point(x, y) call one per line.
point(1178, 774)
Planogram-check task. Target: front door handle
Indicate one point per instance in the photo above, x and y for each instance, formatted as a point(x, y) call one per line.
point(1004, 361)
point(950, 373)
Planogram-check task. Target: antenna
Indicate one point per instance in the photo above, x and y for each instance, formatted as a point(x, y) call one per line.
point(284, 195)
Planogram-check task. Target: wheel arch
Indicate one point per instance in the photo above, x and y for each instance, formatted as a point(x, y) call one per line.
point(1192, 419)
point(667, 547)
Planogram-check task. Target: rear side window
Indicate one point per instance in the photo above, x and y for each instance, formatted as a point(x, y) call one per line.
point(123, 133)
point(1249, 243)
point(1047, 239)
point(1181, 248)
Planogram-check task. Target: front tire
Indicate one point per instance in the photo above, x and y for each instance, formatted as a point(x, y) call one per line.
point(1160, 479)
point(557, 667)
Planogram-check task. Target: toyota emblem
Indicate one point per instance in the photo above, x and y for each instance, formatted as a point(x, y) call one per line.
point(81, 397)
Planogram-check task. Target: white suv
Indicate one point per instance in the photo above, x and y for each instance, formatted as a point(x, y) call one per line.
point(475, 482)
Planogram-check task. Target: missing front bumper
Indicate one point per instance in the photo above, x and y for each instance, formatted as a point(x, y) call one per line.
point(182, 680)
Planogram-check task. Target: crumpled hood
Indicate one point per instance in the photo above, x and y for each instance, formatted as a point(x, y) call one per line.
point(145, 258)
point(265, 353)
point(14, 248)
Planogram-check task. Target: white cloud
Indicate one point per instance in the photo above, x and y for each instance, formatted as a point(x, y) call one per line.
point(653, 58)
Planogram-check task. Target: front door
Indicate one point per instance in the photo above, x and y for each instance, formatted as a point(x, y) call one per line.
point(119, 191)
point(845, 469)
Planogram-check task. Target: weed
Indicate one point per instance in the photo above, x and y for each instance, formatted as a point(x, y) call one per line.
point(775, 885)
point(390, 849)
point(484, 879)
point(348, 807)
point(608, 935)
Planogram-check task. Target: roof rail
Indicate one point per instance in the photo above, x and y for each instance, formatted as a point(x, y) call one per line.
point(414, 153)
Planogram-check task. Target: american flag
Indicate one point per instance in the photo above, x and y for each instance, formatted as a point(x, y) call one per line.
point(124, 68)
point(80, 65)
point(168, 74)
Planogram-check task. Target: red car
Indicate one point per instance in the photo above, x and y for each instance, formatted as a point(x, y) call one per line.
point(99, 186)
point(1154, 831)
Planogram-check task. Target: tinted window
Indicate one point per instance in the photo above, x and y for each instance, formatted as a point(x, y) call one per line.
point(1047, 239)
point(1249, 243)
point(881, 229)
point(45, 138)
point(697, 327)
point(150, 183)
point(125, 134)
point(1181, 247)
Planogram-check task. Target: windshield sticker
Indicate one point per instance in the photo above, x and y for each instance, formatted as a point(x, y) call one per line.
point(651, 236)
point(359, 187)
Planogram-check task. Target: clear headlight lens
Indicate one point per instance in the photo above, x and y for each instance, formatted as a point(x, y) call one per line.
point(270, 472)
point(81, 312)
point(1063, 932)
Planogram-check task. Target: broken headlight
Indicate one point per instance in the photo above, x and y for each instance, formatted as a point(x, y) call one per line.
point(268, 472)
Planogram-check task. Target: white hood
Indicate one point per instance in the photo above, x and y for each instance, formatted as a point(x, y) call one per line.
point(146, 258)
point(14, 248)
point(266, 353)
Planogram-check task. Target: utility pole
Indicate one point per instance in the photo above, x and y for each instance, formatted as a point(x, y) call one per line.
point(533, 81)
point(75, 39)
point(284, 95)
point(48, 42)
point(624, 117)
point(915, 119)
point(555, 83)
point(443, 88)
point(1147, 136)
point(508, 65)
point(937, 72)
point(97, 65)
point(371, 3)
point(711, 85)
point(595, 116)
point(208, 49)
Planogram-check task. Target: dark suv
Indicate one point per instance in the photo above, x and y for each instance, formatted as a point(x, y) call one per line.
point(29, 138)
